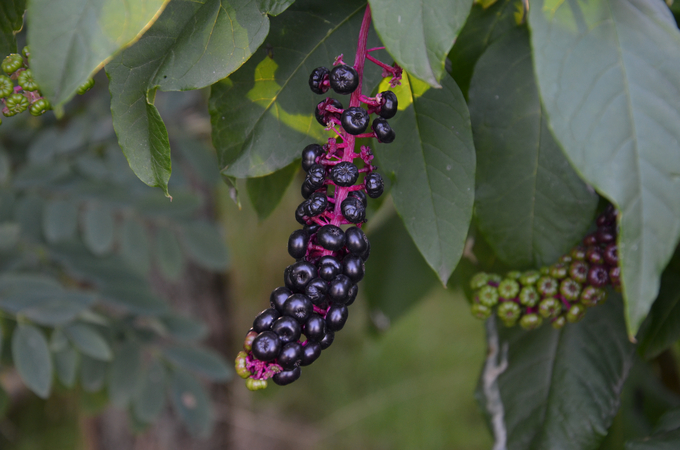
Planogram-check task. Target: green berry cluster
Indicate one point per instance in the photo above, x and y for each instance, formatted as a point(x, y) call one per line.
point(560, 293)
point(26, 94)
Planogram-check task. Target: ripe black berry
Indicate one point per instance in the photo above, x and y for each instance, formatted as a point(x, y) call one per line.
point(344, 79)
point(388, 105)
point(287, 328)
point(315, 328)
point(367, 253)
point(374, 185)
point(353, 267)
point(316, 291)
point(317, 204)
point(353, 292)
point(336, 317)
point(331, 237)
point(307, 188)
point(344, 174)
point(310, 353)
point(278, 297)
point(359, 195)
point(298, 306)
point(309, 155)
point(598, 276)
point(316, 176)
point(290, 356)
point(311, 228)
point(329, 267)
point(383, 131)
point(287, 280)
point(297, 244)
point(301, 213)
point(328, 339)
point(357, 242)
point(301, 273)
point(339, 287)
point(266, 346)
point(324, 116)
point(265, 319)
point(287, 376)
point(355, 120)
point(353, 210)
point(316, 80)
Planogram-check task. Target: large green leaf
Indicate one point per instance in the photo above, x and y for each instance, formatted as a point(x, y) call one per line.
point(560, 389)
point(662, 327)
point(72, 39)
point(200, 360)
point(262, 116)
point(192, 404)
point(666, 435)
point(420, 34)
point(482, 28)
point(192, 45)
point(274, 7)
point(11, 21)
point(266, 192)
point(32, 359)
point(530, 204)
point(433, 159)
point(609, 76)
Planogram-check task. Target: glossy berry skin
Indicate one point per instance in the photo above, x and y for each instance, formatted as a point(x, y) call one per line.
point(339, 287)
point(316, 204)
point(594, 255)
point(297, 244)
point(16, 103)
point(315, 328)
point(265, 319)
point(287, 329)
point(298, 306)
point(12, 63)
point(359, 195)
point(367, 253)
point(331, 237)
point(353, 267)
point(26, 81)
point(316, 176)
point(598, 276)
point(344, 174)
point(589, 240)
point(287, 376)
point(353, 292)
point(615, 275)
point(316, 291)
point(316, 80)
point(357, 241)
point(480, 311)
point(388, 104)
point(306, 190)
point(278, 297)
point(327, 339)
point(559, 271)
point(354, 120)
point(310, 353)
point(301, 213)
point(6, 86)
point(547, 286)
point(344, 79)
point(383, 131)
point(605, 235)
point(301, 273)
point(336, 317)
point(309, 155)
point(266, 346)
point(529, 278)
point(578, 253)
point(290, 356)
point(374, 185)
point(311, 228)
point(353, 210)
point(39, 107)
point(324, 117)
point(509, 311)
point(329, 267)
point(611, 255)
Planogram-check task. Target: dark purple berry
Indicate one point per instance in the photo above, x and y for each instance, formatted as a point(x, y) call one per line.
point(287, 376)
point(287, 280)
point(317, 204)
point(344, 174)
point(290, 356)
point(359, 195)
point(311, 228)
point(301, 273)
point(615, 275)
point(287, 329)
point(336, 317)
point(598, 276)
point(310, 154)
point(602, 220)
point(611, 255)
point(310, 353)
point(265, 319)
point(594, 255)
point(605, 235)
point(266, 346)
point(316, 291)
point(301, 212)
point(344, 79)
point(355, 120)
point(329, 267)
point(323, 117)
point(388, 105)
point(590, 240)
point(278, 297)
point(353, 267)
point(299, 307)
point(374, 185)
point(315, 328)
point(316, 176)
point(353, 292)
point(331, 237)
point(610, 213)
point(353, 210)
point(307, 189)
point(328, 339)
point(316, 80)
point(383, 131)
point(339, 287)
point(367, 253)
point(357, 242)
point(297, 244)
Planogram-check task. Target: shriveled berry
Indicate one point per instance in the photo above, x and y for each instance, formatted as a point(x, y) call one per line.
point(327, 339)
point(353, 292)
point(354, 120)
point(374, 185)
point(357, 241)
point(570, 289)
point(578, 253)
point(605, 235)
point(578, 270)
point(310, 353)
point(528, 296)
point(488, 296)
point(297, 244)
point(322, 116)
point(480, 311)
point(509, 311)
point(310, 154)
point(529, 278)
point(353, 267)
point(558, 271)
point(290, 356)
point(388, 104)
point(344, 79)
point(336, 317)
point(353, 210)
point(344, 174)
point(317, 204)
point(559, 322)
point(240, 365)
point(86, 86)
point(301, 273)
point(12, 63)
point(611, 254)
point(331, 237)
point(508, 288)
point(265, 319)
point(287, 329)
point(549, 307)
point(287, 376)
point(266, 346)
point(329, 267)
point(594, 255)
point(298, 306)
point(316, 176)
point(26, 81)
point(278, 297)
point(316, 291)
point(315, 328)
point(359, 195)
point(576, 312)
point(530, 321)
point(6, 86)
point(316, 80)
point(598, 276)
point(547, 286)
point(338, 289)
point(383, 131)
point(479, 280)
point(39, 107)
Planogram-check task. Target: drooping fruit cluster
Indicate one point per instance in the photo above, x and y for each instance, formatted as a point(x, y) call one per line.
point(560, 293)
point(312, 306)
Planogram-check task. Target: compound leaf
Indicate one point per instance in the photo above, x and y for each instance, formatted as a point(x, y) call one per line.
point(204, 244)
point(124, 372)
point(98, 228)
point(32, 359)
point(168, 254)
point(60, 220)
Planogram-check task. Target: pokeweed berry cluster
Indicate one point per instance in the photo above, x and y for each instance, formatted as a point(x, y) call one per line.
point(312, 306)
point(560, 293)
point(25, 95)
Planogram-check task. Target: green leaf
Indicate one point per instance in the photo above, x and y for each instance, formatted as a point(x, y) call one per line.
point(530, 204)
point(65, 364)
point(397, 275)
point(560, 389)
point(666, 435)
point(135, 299)
point(183, 328)
point(201, 158)
point(32, 359)
point(88, 341)
point(168, 254)
point(192, 45)
point(124, 373)
point(482, 27)
point(134, 245)
point(266, 192)
point(9, 235)
point(19, 283)
point(92, 373)
point(262, 116)
point(60, 220)
point(274, 7)
point(57, 308)
point(419, 35)
point(149, 398)
point(204, 244)
point(11, 21)
point(200, 360)
point(608, 74)
point(28, 214)
point(40, 175)
point(98, 228)
point(662, 327)
point(72, 39)
point(192, 404)
point(5, 402)
point(433, 161)
point(5, 166)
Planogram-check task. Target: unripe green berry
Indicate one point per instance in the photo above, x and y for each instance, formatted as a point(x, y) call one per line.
point(26, 52)
point(545, 270)
point(15, 103)
point(570, 289)
point(508, 288)
point(480, 311)
point(576, 312)
point(248, 342)
point(565, 259)
point(488, 296)
point(528, 296)
point(578, 271)
point(559, 323)
point(86, 86)
point(513, 275)
point(530, 321)
point(39, 107)
point(578, 253)
point(558, 271)
point(25, 80)
point(509, 323)
point(6, 86)
point(479, 280)
point(529, 278)
point(550, 307)
point(592, 295)
point(240, 365)
point(494, 278)
point(12, 63)
point(256, 385)
point(509, 311)
point(547, 286)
